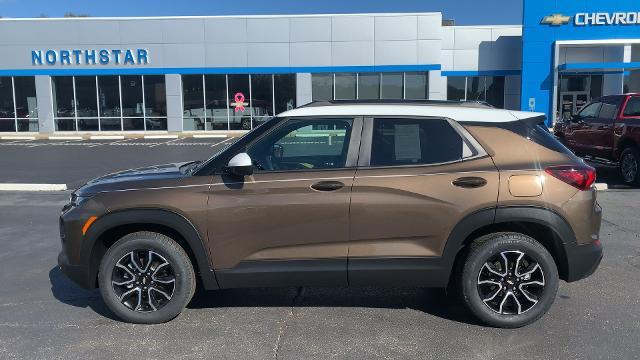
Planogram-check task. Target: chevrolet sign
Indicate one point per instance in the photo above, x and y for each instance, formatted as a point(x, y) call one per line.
point(594, 19)
point(556, 20)
point(616, 18)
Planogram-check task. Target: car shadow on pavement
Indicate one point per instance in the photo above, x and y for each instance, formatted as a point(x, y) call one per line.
point(69, 293)
point(435, 302)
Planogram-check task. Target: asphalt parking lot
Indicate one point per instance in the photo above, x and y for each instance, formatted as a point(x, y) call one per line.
point(44, 315)
point(74, 162)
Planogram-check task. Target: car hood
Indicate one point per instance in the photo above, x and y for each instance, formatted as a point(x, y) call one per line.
point(150, 176)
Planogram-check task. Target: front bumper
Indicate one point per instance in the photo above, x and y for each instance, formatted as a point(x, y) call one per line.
point(582, 260)
point(77, 273)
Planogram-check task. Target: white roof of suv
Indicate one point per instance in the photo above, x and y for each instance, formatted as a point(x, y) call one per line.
point(455, 112)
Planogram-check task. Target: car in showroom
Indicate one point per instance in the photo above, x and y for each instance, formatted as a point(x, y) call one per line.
point(347, 193)
point(607, 130)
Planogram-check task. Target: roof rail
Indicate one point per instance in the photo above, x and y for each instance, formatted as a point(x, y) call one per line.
point(473, 104)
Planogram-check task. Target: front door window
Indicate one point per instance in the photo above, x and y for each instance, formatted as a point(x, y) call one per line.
point(304, 145)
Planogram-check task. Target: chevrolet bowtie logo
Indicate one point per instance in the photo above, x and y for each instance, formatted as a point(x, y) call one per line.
point(556, 19)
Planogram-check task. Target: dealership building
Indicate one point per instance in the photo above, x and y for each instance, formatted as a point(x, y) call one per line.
point(226, 73)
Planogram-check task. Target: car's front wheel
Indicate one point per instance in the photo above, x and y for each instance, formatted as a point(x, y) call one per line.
point(630, 166)
point(508, 280)
point(146, 278)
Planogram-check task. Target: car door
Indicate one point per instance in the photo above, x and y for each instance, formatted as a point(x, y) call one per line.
point(599, 136)
point(288, 223)
point(416, 179)
point(578, 130)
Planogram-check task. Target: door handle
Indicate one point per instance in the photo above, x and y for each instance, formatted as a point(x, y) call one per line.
point(471, 182)
point(327, 185)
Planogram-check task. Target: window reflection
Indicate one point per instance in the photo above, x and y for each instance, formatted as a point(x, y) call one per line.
point(285, 92)
point(217, 107)
point(417, 85)
point(107, 103)
point(369, 86)
point(456, 88)
point(86, 103)
point(345, 86)
point(391, 86)
point(63, 103)
point(239, 107)
point(193, 102)
point(7, 114)
point(322, 87)
point(26, 103)
point(477, 88)
point(261, 98)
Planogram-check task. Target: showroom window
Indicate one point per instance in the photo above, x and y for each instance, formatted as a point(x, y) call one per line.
point(370, 86)
point(109, 103)
point(235, 101)
point(477, 88)
point(18, 106)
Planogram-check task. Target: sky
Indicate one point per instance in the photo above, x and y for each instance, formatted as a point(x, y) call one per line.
point(464, 12)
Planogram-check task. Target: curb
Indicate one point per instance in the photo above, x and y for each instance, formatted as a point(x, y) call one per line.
point(33, 187)
point(26, 138)
point(65, 138)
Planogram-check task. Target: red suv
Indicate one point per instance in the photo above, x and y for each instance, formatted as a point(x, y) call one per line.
point(607, 129)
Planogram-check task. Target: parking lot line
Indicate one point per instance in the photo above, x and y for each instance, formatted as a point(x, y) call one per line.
point(163, 143)
point(32, 187)
point(106, 137)
point(161, 136)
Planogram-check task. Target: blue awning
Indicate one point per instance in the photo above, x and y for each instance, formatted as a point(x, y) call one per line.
point(599, 67)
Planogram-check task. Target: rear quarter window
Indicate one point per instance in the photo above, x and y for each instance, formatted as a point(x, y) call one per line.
point(633, 107)
point(540, 135)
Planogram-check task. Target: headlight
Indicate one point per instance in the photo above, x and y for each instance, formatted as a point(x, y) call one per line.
point(76, 200)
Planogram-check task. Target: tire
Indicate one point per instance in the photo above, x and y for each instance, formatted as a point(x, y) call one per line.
point(168, 283)
point(517, 291)
point(630, 166)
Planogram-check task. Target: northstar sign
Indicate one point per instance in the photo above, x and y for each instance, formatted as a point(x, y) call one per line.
point(90, 57)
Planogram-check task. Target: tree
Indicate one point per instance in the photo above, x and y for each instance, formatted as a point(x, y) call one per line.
point(70, 14)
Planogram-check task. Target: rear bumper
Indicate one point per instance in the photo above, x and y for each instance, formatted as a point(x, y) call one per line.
point(77, 274)
point(582, 260)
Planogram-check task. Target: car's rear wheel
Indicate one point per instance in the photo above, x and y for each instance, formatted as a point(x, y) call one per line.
point(508, 280)
point(630, 166)
point(146, 278)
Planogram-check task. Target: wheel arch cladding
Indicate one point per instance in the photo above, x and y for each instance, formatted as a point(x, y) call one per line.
point(113, 226)
point(544, 225)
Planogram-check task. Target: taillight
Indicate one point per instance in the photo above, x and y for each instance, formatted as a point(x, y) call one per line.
point(579, 176)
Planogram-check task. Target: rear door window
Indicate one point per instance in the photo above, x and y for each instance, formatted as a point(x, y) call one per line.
point(399, 141)
point(609, 109)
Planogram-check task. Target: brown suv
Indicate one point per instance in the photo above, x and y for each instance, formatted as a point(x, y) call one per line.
point(347, 194)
